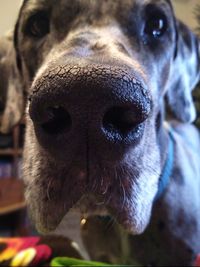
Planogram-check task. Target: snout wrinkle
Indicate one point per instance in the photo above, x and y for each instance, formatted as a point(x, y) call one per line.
point(89, 80)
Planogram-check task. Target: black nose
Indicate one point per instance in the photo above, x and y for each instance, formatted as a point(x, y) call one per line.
point(120, 120)
point(107, 106)
point(56, 121)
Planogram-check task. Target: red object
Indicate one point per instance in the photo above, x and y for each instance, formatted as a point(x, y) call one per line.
point(44, 253)
point(197, 261)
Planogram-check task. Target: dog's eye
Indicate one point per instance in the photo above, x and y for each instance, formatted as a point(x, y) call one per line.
point(156, 25)
point(38, 25)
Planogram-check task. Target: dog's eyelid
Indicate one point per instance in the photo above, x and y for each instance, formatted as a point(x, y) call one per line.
point(40, 16)
point(153, 10)
point(33, 12)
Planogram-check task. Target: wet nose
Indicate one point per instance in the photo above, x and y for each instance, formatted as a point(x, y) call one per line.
point(109, 104)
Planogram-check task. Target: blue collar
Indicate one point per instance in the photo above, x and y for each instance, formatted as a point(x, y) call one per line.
point(168, 167)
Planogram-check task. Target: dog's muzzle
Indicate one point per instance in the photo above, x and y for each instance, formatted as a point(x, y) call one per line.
point(86, 119)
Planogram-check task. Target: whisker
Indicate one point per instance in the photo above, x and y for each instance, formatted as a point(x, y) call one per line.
point(102, 203)
point(124, 196)
point(48, 189)
point(94, 186)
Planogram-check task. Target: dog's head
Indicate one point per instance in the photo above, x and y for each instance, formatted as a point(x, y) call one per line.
point(97, 73)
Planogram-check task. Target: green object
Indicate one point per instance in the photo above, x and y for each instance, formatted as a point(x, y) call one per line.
point(65, 261)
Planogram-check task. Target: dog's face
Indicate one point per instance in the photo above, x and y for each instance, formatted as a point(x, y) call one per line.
point(96, 73)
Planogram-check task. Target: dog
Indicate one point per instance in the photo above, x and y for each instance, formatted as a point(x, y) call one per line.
point(108, 94)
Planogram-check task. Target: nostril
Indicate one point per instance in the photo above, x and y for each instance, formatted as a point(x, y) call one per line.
point(57, 120)
point(120, 119)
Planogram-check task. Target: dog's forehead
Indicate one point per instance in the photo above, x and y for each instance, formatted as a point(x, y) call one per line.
point(106, 5)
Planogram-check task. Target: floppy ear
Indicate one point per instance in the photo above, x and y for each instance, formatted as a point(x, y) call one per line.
point(184, 74)
point(11, 89)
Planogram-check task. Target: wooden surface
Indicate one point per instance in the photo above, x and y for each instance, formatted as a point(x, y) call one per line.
point(10, 152)
point(12, 208)
point(13, 216)
point(11, 195)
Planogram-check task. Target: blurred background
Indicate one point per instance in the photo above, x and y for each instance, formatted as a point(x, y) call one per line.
point(9, 8)
point(8, 14)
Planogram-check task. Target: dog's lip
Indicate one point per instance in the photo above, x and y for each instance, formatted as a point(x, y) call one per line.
point(122, 213)
point(127, 221)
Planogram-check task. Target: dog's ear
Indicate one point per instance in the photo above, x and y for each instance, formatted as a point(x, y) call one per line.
point(184, 74)
point(11, 88)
